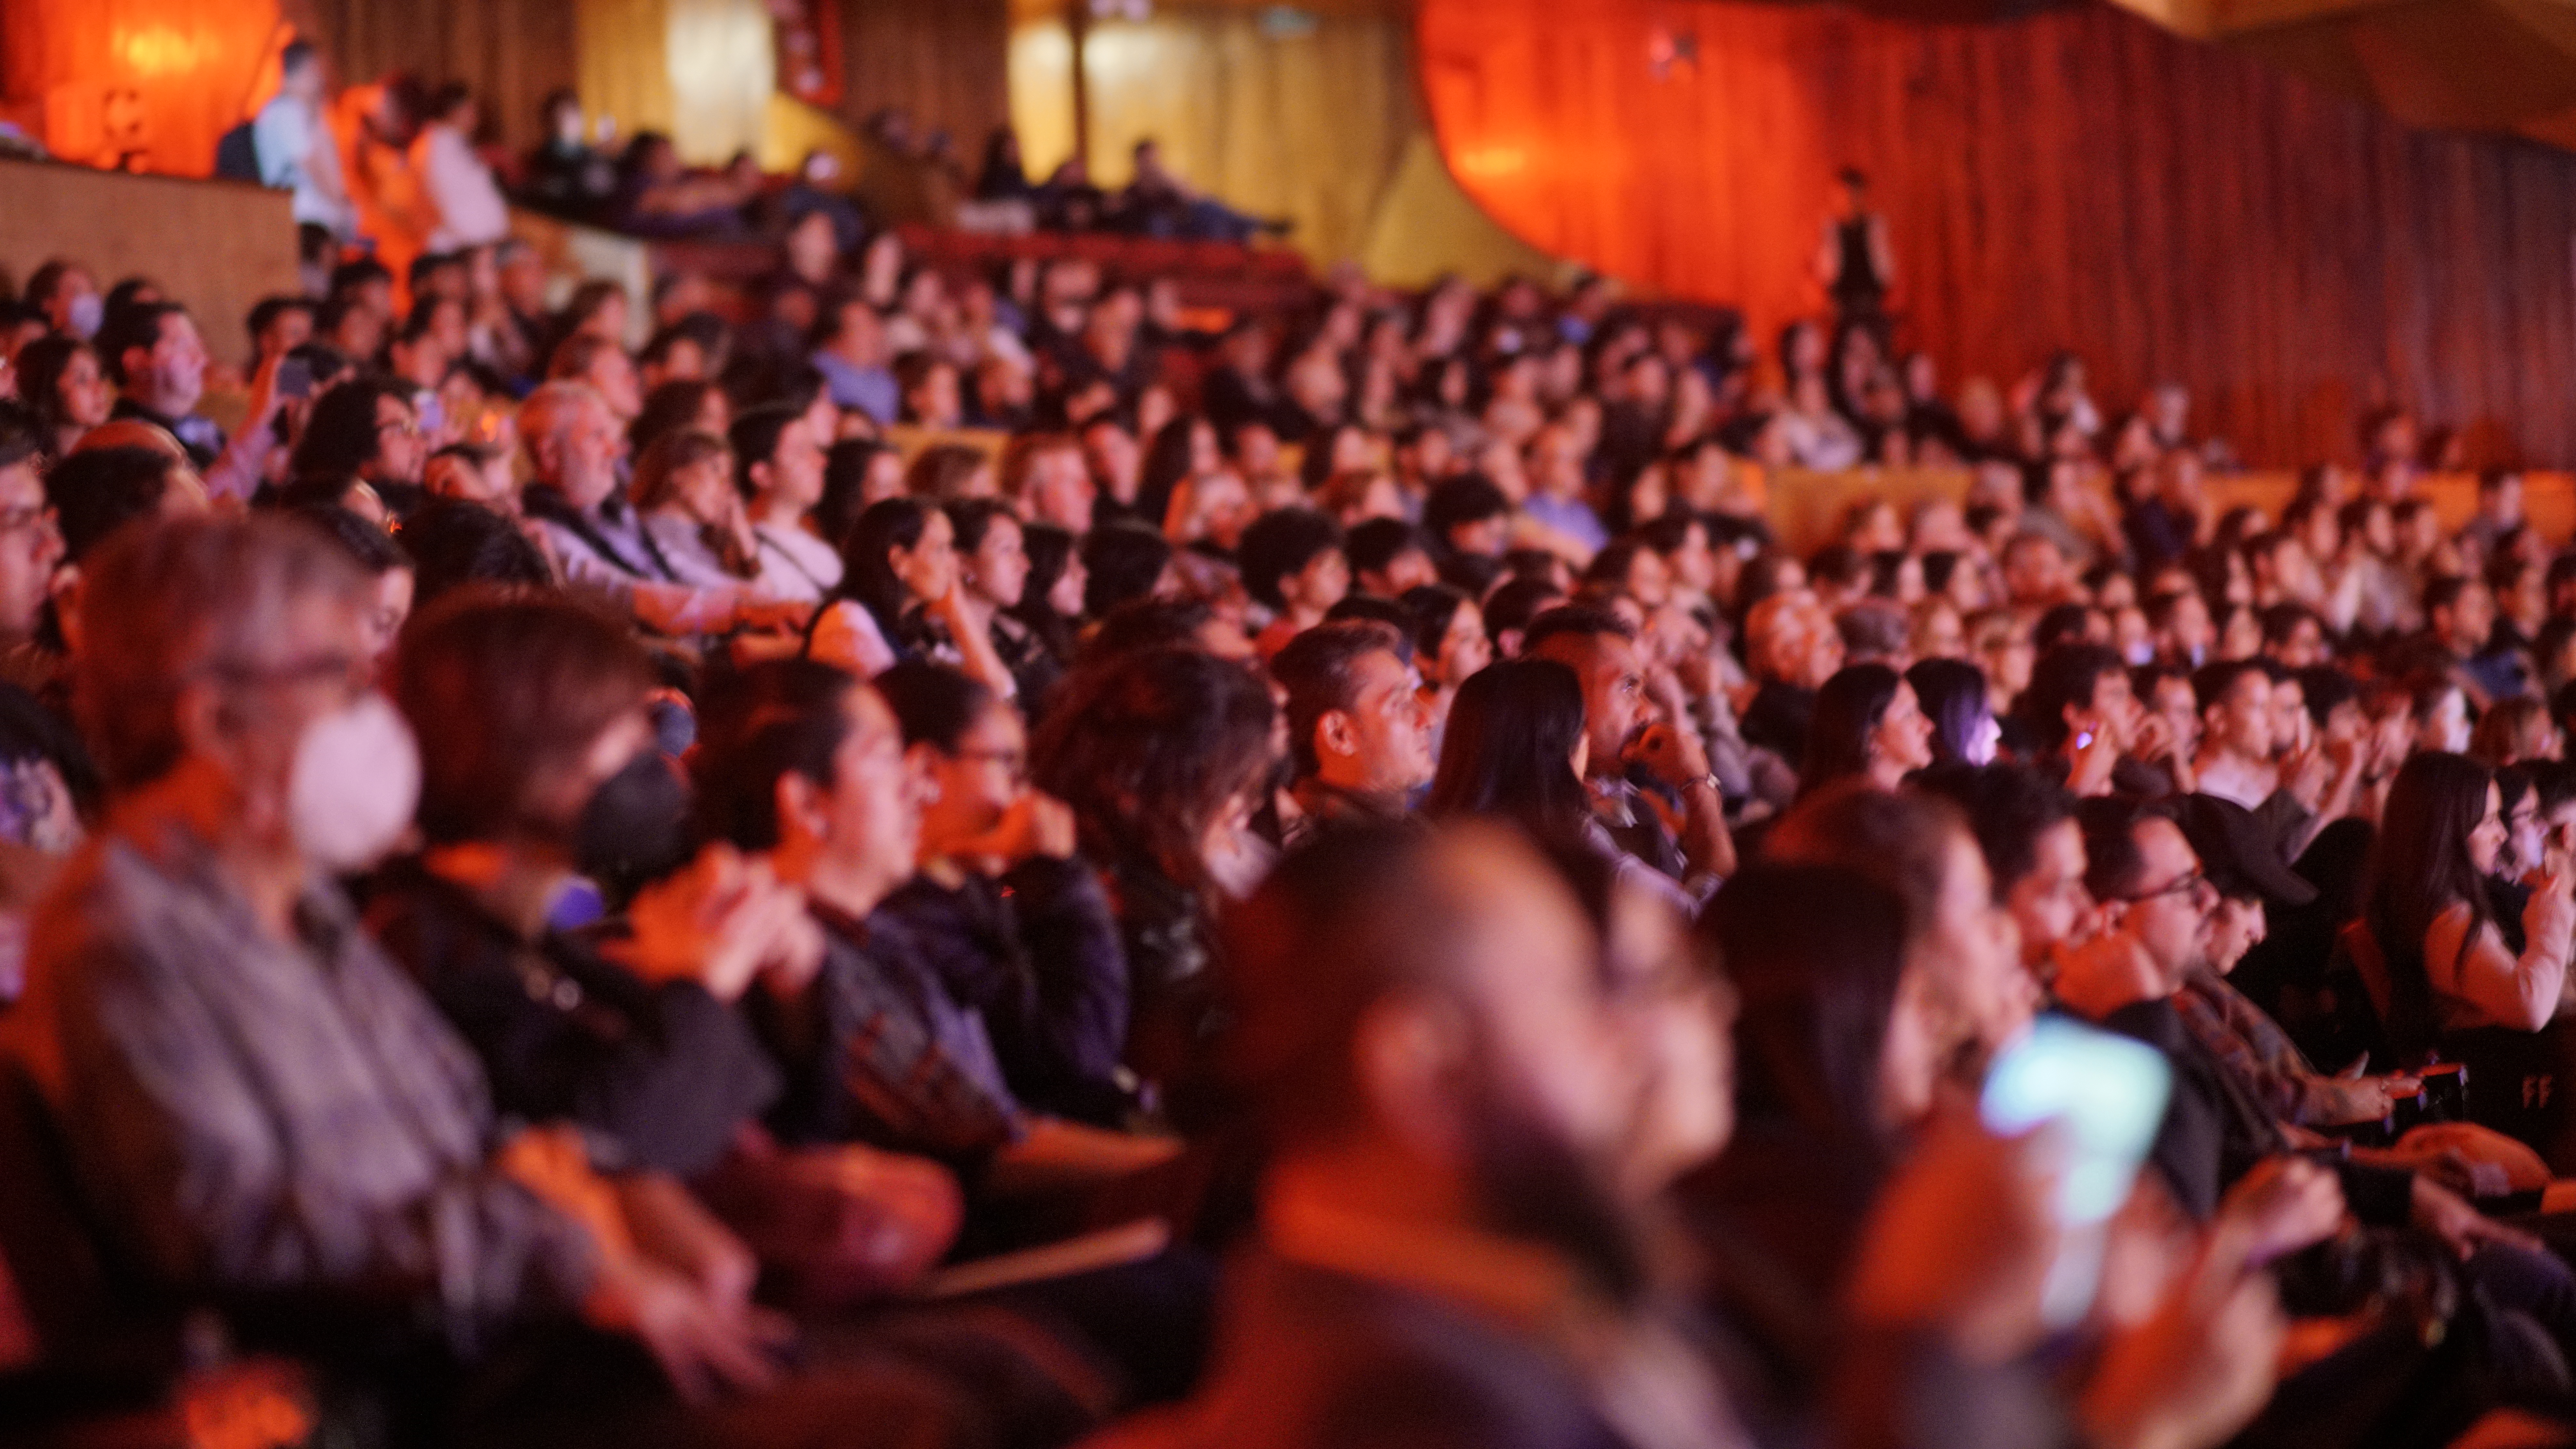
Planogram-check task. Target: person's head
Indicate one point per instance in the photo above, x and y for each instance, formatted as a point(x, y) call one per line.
point(1918, 848)
point(2154, 899)
point(1832, 1032)
point(1602, 650)
point(901, 555)
point(2245, 872)
point(1449, 639)
point(1047, 474)
point(1428, 1015)
point(1953, 696)
point(573, 442)
point(453, 542)
point(2461, 613)
point(1867, 725)
point(2440, 711)
point(1789, 639)
point(387, 567)
point(31, 542)
point(1121, 564)
point(2035, 571)
point(600, 364)
point(363, 428)
point(2236, 713)
point(966, 742)
point(690, 473)
point(1159, 752)
point(798, 759)
point(299, 71)
point(1468, 514)
point(2025, 824)
point(1293, 562)
point(96, 491)
point(226, 665)
point(527, 704)
point(2077, 692)
point(679, 407)
point(850, 329)
point(61, 379)
point(1388, 557)
point(1354, 720)
point(2514, 732)
point(153, 351)
point(779, 464)
point(2440, 833)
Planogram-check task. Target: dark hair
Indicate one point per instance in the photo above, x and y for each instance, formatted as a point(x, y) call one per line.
point(867, 572)
point(369, 547)
point(2112, 861)
point(1509, 748)
point(2419, 868)
point(340, 435)
point(942, 470)
point(1953, 695)
point(754, 437)
point(1848, 709)
point(671, 408)
point(1895, 838)
point(41, 365)
point(934, 703)
point(1149, 748)
point(845, 476)
point(1141, 624)
point(775, 718)
point(1124, 560)
point(453, 542)
point(1433, 607)
point(1465, 499)
point(1167, 458)
point(2064, 676)
point(136, 324)
point(2008, 808)
point(505, 687)
point(2061, 624)
point(1049, 548)
point(1281, 543)
point(1374, 544)
point(1818, 956)
point(1316, 672)
point(97, 490)
point(1579, 621)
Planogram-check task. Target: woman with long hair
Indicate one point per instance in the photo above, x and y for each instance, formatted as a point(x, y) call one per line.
point(1867, 723)
point(1450, 645)
point(1952, 694)
point(1163, 754)
point(1050, 603)
point(993, 560)
point(684, 490)
point(903, 596)
point(61, 379)
point(2450, 964)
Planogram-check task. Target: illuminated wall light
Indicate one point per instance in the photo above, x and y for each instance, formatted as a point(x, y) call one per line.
point(1488, 163)
point(159, 50)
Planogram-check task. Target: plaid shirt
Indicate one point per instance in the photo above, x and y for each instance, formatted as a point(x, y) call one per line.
point(2256, 1050)
point(898, 1063)
point(250, 1113)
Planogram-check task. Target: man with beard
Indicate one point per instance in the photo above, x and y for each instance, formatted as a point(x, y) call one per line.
point(1446, 1085)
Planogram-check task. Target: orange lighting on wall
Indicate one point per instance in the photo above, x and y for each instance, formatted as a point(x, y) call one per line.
point(144, 84)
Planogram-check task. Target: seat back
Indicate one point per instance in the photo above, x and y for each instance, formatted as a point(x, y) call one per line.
point(237, 154)
point(77, 1313)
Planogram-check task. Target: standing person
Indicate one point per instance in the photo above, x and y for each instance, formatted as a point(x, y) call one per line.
point(296, 149)
point(1854, 259)
point(467, 204)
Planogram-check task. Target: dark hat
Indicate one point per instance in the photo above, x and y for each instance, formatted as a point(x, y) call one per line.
point(2238, 855)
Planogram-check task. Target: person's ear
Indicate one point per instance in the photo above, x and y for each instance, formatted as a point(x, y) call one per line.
point(800, 808)
point(1335, 736)
point(206, 721)
point(1410, 1062)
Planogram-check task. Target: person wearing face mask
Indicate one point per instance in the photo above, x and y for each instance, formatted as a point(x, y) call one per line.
point(265, 1101)
point(1014, 923)
point(159, 364)
point(69, 297)
point(531, 711)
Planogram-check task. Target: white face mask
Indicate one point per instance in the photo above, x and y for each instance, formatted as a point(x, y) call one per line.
point(355, 782)
point(88, 310)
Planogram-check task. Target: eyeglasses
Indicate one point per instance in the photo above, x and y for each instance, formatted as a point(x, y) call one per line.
point(16, 520)
point(1014, 761)
point(327, 668)
point(2193, 885)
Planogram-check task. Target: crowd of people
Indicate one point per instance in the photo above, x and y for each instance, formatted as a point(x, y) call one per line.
point(588, 896)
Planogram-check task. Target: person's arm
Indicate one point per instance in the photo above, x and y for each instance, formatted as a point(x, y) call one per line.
point(971, 627)
point(673, 609)
point(1676, 758)
point(236, 475)
point(221, 1184)
point(847, 636)
point(2517, 992)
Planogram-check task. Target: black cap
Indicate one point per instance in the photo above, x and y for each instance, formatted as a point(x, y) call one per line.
point(2238, 855)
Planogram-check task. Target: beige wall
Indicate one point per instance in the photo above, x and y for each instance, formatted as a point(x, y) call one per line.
point(217, 246)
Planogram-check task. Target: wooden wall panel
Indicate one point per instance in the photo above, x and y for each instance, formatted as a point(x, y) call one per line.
point(512, 52)
point(2078, 178)
point(946, 61)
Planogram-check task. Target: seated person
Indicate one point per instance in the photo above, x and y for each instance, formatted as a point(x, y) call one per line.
point(1016, 924)
point(684, 488)
point(530, 712)
point(1357, 728)
point(255, 1100)
point(804, 764)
